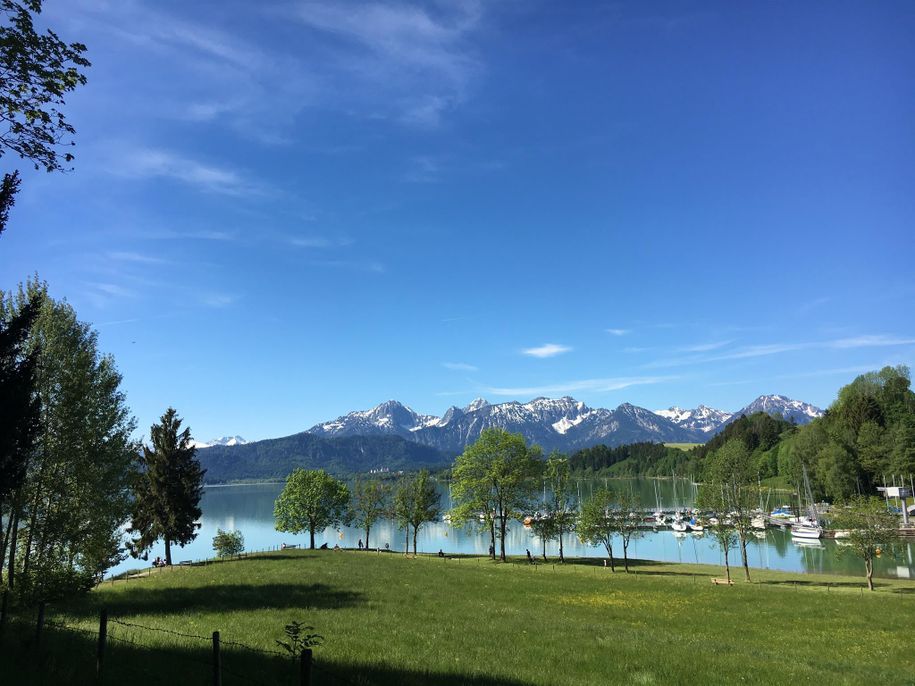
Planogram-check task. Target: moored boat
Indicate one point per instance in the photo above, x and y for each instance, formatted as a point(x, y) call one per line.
point(806, 531)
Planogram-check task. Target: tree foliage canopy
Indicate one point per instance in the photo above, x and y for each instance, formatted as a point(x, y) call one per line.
point(64, 519)
point(36, 71)
point(311, 501)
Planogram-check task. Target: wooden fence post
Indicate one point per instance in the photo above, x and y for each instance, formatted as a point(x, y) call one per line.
point(217, 661)
point(39, 624)
point(100, 649)
point(306, 668)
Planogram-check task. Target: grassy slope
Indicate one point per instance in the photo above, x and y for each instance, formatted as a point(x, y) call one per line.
point(387, 619)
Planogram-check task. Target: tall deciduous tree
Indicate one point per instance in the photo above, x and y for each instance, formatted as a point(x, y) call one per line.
point(559, 504)
point(167, 490)
point(416, 503)
point(311, 501)
point(370, 503)
point(712, 499)
point(544, 528)
point(498, 470)
point(597, 522)
point(68, 511)
point(626, 522)
point(871, 527)
point(731, 470)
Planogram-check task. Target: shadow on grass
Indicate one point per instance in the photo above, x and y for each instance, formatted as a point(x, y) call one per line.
point(143, 599)
point(67, 657)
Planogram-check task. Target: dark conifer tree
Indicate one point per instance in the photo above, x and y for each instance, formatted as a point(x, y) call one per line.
point(19, 412)
point(168, 489)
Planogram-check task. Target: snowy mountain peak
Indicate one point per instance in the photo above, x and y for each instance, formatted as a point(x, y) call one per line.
point(477, 404)
point(224, 440)
point(553, 423)
point(704, 418)
point(782, 406)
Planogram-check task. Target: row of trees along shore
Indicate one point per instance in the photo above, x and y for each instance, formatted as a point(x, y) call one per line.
point(496, 480)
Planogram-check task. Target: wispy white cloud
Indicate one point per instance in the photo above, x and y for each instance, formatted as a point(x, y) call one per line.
point(584, 385)
point(218, 300)
point(157, 163)
point(873, 341)
point(139, 258)
point(372, 266)
point(546, 350)
point(840, 371)
point(423, 169)
point(320, 242)
point(810, 305)
point(705, 347)
point(113, 289)
point(618, 332)
point(460, 366)
point(764, 350)
point(419, 54)
point(103, 293)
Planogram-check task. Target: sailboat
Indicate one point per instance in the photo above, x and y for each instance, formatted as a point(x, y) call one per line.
point(808, 528)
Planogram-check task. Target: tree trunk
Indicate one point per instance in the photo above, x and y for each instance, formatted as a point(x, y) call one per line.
point(492, 537)
point(13, 535)
point(406, 540)
point(544, 549)
point(610, 553)
point(743, 557)
point(367, 529)
point(727, 567)
point(415, 531)
point(561, 555)
point(168, 551)
point(5, 537)
point(626, 556)
point(502, 528)
point(311, 538)
point(869, 568)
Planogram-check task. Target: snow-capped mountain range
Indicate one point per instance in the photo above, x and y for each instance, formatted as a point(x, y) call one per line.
point(562, 423)
point(225, 440)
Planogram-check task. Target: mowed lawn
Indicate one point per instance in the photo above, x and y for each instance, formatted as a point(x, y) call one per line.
point(387, 619)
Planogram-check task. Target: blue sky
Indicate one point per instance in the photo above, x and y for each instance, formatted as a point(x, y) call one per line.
point(284, 211)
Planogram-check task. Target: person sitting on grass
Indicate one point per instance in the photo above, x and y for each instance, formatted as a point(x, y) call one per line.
point(441, 553)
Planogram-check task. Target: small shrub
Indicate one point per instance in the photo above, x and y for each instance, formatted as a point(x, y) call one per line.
point(228, 543)
point(298, 639)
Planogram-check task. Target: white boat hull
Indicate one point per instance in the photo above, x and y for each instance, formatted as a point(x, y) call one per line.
point(806, 532)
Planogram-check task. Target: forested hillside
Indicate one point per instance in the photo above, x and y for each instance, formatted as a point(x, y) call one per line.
point(276, 458)
point(866, 437)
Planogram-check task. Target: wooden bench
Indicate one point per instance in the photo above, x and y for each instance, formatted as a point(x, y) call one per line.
point(724, 582)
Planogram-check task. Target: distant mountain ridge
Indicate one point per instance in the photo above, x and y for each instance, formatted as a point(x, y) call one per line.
point(392, 436)
point(563, 423)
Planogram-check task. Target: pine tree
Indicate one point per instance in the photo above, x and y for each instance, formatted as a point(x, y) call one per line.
point(168, 489)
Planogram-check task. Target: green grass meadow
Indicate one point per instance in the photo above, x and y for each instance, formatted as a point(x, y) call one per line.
point(387, 619)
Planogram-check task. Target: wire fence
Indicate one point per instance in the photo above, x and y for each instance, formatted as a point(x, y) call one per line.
point(144, 572)
point(118, 649)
